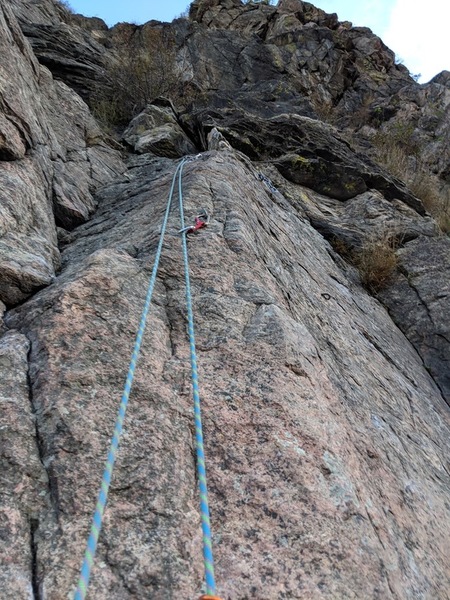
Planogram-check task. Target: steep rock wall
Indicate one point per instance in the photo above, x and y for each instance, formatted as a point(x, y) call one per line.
point(53, 159)
point(327, 437)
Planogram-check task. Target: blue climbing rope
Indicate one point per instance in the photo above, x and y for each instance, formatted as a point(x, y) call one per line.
point(91, 547)
point(83, 582)
point(201, 469)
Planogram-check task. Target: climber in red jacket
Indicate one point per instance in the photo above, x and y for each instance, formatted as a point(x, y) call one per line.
point(201, 220)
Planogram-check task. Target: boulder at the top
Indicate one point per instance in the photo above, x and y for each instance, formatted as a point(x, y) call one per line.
point(157, 130)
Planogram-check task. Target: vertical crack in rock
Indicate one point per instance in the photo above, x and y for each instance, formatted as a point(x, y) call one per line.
point(38, 436)
point(416, 292)
point(34, 525)
point(34, 522)
point(170, 321)
point(21, 501)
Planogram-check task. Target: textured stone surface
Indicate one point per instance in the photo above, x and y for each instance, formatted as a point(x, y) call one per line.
point(157, 130)
point(54, 158)
point(24, 481)
point(312, 402)
point(419, 302)
point(357, 220)
point(327, 438)
point(67, 44)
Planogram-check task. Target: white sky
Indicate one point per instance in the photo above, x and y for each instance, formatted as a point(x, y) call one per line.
point(419, 34)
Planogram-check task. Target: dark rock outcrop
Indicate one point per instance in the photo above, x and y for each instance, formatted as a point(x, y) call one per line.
point(70, 46)
point(418, 301)
point(328, 61)
point(56, 158)
point(346, 74)
point(305, 151)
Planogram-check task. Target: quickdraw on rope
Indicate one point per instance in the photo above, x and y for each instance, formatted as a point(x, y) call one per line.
point(83, 582)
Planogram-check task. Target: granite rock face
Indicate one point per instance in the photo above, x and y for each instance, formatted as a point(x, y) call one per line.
point(419, 300)
point(326, 426)
point(54, 158)
point(312, 400)
point(70, 46)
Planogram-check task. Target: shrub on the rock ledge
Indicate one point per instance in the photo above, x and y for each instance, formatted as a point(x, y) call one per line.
point(144, 68)
point(398, 152)
point(437, 201)
point(377, 261)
